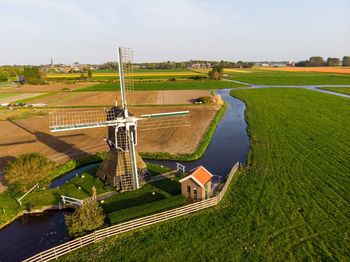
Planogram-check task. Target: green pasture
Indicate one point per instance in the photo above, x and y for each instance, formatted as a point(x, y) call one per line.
point(291, 202)
point(177, 85)
point(269, 77)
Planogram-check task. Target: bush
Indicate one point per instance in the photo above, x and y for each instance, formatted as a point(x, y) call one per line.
point(86, 218)
point(216, 73)
point(204, 100)
point(27, 170)
point(173, 79)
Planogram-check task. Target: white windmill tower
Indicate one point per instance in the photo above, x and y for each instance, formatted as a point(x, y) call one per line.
point(122, 167)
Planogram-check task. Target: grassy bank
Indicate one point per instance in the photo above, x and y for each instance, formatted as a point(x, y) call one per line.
point(342, 90)
point(202, 146)
point(268, 77)
point(151, 198)
point(291, 203)
point(80, 187)
point(177, 85)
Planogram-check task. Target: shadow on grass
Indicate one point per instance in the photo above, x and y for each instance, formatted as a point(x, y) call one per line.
point(120, 204)
point(172, 187)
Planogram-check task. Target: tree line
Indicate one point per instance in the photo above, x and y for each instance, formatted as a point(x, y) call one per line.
point(319, 61)
point(180, 65)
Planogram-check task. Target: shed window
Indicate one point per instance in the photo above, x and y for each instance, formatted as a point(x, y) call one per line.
point(188, 189)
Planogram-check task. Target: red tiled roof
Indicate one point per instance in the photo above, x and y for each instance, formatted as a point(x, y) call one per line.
point(199, 175)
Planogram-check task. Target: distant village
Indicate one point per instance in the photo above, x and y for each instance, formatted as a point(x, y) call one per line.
point(76, 67)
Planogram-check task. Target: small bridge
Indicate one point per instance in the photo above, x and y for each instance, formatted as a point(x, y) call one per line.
point(72, 200)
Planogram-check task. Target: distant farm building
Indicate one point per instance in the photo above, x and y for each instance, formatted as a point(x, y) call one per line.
point(197, 185)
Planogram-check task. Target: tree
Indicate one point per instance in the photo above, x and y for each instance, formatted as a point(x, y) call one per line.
point(301, 63)
point(89, 74)
point(216, 73)
point(82, 76)
point(4, 75)
point(316, 61)
point(86, 218)
point(27, 170)
point(333, 61)
point(346, 61)
point(33, 75)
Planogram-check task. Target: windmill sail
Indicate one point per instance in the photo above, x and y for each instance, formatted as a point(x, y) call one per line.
point(164, 120)
point(125, 58)
point(63, 121)
point(122, 168)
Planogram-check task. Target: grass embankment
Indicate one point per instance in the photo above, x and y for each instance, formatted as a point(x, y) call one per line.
point(291, 203)
point(267, 77)
point(81, 187)
point(341, 90)
point(202, 146)
point(177, 85)
point(151, 198)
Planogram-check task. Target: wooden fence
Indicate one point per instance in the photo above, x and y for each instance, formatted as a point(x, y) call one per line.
point(98, 235)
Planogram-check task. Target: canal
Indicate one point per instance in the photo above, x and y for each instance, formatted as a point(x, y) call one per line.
point(30, 234)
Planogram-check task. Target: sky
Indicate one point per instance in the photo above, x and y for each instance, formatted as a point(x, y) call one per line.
point(85, 31)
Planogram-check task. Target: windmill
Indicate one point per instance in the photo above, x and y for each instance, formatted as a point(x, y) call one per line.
point(122, 168)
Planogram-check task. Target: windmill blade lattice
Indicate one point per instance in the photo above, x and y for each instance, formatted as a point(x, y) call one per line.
point(165, 120)
point(62, 121)
point(126, 57)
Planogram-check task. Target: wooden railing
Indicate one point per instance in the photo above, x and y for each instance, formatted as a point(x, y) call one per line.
point(98, 235)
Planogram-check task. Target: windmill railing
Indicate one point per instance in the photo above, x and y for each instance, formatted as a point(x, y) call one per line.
point(98, 235)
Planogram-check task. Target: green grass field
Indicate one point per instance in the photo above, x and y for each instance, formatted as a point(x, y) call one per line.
point(342, 90)
point(153, 197)
point(138, 74)
point(291, 203)
point(177, 85)
point(6, 95)
point(268, 77)
point(142, 201)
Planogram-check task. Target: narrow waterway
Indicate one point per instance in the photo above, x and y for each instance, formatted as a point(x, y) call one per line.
point(30, 234)
point(229, 144)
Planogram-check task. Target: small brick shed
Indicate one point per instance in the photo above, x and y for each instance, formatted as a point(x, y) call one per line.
point(197, 185)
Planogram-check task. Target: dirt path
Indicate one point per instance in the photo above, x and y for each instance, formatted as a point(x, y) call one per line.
point(18, 97)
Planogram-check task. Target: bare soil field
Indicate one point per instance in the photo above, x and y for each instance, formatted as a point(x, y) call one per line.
point(324, 69)
point(55, 87)
point(32, 135)
point(108, 98)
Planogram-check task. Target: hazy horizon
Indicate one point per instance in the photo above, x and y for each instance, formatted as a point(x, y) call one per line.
point(35, 31)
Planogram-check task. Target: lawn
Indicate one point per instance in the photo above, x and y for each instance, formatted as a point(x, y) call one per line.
point(81, 187)
point(268, 77)
point(291, 203)
point(164, 85)
point(152, 197)
point(342, 90)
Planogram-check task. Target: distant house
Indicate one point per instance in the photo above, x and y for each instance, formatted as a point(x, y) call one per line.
point(197, 185)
